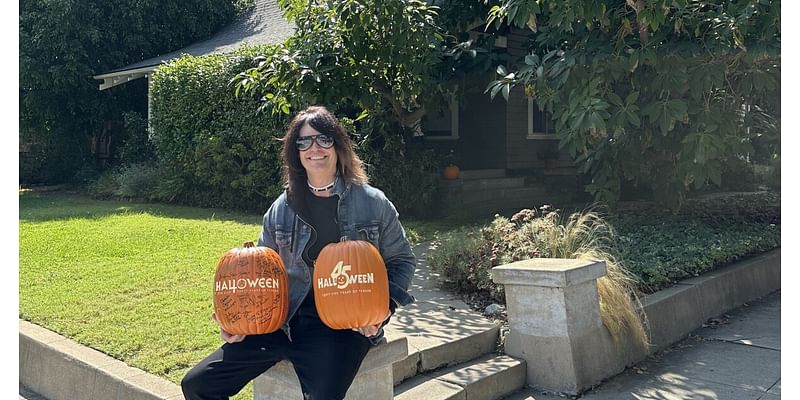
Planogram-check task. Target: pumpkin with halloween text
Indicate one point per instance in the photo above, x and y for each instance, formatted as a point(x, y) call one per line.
point(351, 285)
point(251, 291)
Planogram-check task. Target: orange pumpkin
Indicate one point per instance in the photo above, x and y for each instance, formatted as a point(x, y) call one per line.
point(451, 172)
point(351, 286)
point(251, 291)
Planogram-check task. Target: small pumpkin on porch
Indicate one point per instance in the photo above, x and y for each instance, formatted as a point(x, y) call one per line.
point(351, 286)
point(251, 291)
point(451, 172)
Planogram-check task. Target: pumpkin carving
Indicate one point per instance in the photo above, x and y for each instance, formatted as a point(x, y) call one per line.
point(351, 286)
point(251, 293)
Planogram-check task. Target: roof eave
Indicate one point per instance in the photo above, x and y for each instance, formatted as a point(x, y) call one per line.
point(117, 78)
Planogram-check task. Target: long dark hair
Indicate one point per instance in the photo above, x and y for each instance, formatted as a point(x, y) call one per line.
point(348, 164)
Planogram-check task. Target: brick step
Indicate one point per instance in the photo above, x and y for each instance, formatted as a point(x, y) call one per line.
point(492, 183)
point(515, 194)
point(486, 378)
point(482, 173)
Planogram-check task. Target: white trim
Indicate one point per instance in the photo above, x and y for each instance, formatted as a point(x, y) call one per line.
point(117, 78)
point(453, 105)
point(536, 135)
point(149, 106)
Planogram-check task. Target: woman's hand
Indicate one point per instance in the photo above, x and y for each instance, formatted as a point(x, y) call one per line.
point(227, 337)
point(372, 330)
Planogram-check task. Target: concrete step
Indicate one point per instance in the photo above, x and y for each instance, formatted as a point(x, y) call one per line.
point(486, 378)
point(482, 173)
point(492, 183)
point(440, 332)
point(513, 194)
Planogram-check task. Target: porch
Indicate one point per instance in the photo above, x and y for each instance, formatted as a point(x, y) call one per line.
point(503, 191)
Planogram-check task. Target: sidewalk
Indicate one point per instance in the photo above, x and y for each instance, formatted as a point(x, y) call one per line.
point(736, 356)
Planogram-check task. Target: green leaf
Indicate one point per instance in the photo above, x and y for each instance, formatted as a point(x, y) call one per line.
point(501, 70)
point(614, 99)
point(362, 115)
point(632, 97)
point(633, 119)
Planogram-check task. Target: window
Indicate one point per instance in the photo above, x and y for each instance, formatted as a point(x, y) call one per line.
point(442, 124)
point(540, 123)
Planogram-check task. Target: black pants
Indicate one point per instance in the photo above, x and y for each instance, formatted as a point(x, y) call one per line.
point(326, 361)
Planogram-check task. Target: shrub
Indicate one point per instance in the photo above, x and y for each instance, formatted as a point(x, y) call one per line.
point(405, 170)
point(218, 150)
point(760, 207)
point(104, 187)
point(464, 259)
point(138, 181)
point(137, 146)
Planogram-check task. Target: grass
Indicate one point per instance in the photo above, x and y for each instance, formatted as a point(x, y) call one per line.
point(132, 280)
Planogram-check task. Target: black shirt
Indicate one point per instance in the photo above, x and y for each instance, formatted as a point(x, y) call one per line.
point(321, 214)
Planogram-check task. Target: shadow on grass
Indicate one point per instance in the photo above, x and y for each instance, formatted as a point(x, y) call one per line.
point(65, 205)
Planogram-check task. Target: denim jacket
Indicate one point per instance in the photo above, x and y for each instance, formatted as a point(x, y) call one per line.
point(364, 213)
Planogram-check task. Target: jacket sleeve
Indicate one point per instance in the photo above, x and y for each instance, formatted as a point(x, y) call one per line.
point(267, 236)
point(397, 255)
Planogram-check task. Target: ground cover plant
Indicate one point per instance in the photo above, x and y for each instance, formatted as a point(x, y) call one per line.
point(645, 248)
point(655, 247)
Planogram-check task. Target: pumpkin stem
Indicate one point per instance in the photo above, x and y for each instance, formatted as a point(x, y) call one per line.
point(249, 244)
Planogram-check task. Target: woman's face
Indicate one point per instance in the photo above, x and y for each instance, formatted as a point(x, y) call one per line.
point(319, 162)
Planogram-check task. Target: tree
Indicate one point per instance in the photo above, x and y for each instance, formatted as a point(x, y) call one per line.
point(664, 93)
point(63, 43)
point(376, 55)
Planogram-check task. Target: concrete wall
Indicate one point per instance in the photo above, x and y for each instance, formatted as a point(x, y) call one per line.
point(553, 314)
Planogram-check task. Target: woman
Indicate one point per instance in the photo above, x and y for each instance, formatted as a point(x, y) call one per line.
point(327, 197)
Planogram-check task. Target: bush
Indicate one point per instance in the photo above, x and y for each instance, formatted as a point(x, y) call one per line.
point(104, 187)
point(138, 181)
point(405, 170)
point(218, 150)
point(137, 146)
point(464, 259)
point(758, 207)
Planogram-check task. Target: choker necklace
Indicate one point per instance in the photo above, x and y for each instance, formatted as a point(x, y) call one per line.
point(321, 189)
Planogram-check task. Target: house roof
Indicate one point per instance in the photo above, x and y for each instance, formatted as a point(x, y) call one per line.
point(262, 24)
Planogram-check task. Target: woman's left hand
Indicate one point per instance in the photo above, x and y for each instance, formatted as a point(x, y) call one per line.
point(372, 330)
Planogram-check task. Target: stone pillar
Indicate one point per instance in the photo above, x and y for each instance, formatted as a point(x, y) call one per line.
point(374, 379)
point(554, 322)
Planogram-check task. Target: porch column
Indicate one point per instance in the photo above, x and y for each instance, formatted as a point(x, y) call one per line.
point(554, 321)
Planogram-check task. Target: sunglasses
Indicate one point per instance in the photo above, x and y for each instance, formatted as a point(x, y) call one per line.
point(304, 143)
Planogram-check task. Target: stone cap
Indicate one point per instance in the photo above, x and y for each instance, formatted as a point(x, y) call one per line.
point(549, 272)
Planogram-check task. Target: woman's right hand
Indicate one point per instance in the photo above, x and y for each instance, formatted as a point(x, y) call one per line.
point(227, 337)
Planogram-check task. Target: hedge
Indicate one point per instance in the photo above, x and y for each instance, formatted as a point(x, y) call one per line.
point(218, 150)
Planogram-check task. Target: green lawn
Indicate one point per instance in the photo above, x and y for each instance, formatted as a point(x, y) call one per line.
point(131, 280)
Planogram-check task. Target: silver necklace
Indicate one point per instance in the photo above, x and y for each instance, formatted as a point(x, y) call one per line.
point(323, 188)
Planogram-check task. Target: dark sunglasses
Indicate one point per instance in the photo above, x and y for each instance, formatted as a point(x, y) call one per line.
point(304, 143)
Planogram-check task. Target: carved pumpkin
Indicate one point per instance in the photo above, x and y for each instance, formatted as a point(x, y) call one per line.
point(251, 291)
point(451, 172)
point(351, 286)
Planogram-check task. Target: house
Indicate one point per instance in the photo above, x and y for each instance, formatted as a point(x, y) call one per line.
point(262, 24)
point(507, 151)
